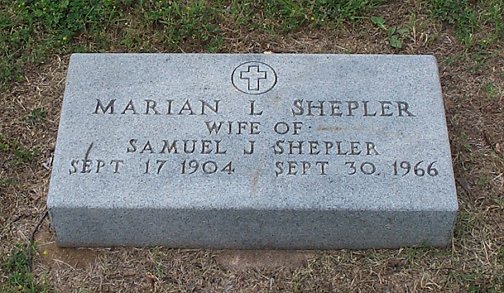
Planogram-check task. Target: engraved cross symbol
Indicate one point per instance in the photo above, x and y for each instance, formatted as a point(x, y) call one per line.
point(253, 76)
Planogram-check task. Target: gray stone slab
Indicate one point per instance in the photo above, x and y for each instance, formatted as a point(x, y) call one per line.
point(349, 151)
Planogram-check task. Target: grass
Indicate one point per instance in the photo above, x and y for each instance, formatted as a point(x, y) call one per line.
point(32, 30)
point(469, 17)
point(18, 269)
point(36, 115)
point(15, 152)
point(491, 91)
point(396, 35)
point(466, 37)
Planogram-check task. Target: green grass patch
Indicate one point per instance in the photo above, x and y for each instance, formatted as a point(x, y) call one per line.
point(491, 91)
point(24, 156)
point(475, 281)
point(19, 275)
point(5, 182)
point(501, 255)
point(32, 30)
point(4, 146)
point(464, 225)
point(476, 22)
point(396, 35)
point(36, 115)
point(20, 155)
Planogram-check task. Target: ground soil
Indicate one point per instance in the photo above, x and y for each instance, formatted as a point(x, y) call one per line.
point(473, 263)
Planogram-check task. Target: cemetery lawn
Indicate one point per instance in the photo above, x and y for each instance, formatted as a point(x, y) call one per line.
point(36, 38)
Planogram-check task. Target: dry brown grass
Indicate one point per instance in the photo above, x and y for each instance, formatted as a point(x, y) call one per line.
point(474, 262)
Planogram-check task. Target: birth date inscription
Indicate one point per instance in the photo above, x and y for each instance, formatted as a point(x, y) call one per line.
point(295, 143)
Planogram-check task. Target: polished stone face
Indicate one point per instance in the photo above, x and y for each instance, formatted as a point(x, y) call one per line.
point(252, 151)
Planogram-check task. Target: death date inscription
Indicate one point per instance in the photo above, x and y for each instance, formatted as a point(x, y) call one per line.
point(294, 154)
point(280, 168)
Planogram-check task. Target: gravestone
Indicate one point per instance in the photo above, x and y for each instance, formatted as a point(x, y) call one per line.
point(252, 151)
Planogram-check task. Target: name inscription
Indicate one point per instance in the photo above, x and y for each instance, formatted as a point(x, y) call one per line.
point(295, 154)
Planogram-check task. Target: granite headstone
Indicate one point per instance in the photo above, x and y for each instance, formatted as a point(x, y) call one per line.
point(252, 151)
